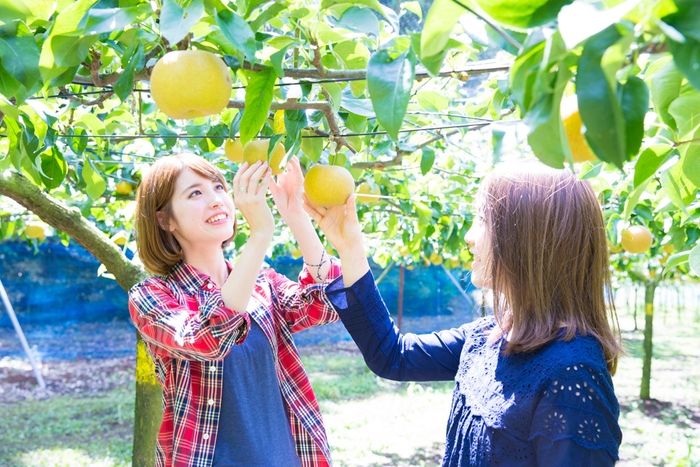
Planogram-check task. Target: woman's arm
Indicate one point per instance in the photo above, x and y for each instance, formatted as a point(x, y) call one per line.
point(388, 353)
point(287, 193)
point(174, 330)
point(252, 204)
point(409, 357)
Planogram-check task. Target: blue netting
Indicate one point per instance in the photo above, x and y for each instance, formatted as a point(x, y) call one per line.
point(67, 312)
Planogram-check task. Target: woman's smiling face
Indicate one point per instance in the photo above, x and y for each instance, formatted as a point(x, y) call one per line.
point(201, 210)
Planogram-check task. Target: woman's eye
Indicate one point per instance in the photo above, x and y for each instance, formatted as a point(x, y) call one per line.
point(195, 193)
point(220, 187)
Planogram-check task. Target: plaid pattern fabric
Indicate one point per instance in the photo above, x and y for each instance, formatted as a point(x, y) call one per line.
point(188, 331)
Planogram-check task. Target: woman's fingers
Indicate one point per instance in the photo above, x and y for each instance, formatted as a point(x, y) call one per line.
point(237, 177)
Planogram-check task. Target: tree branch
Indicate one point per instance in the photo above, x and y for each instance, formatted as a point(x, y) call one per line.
point(398, 159)
point(477, 68)
point(71, 221)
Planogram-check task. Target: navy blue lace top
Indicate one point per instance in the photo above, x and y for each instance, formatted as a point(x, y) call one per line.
point(552, 407)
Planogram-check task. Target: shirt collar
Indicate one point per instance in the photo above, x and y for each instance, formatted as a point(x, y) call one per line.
point(190, 278)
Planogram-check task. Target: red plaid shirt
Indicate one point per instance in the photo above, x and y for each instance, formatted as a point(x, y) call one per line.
point(188, 331)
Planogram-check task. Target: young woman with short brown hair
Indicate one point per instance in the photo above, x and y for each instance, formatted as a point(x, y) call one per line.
point(234, 389)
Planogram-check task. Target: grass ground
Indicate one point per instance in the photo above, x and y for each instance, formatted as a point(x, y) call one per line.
point(372, 422)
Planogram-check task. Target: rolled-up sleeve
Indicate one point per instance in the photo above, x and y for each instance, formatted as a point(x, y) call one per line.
point(304, 303)
point(174, 330)
point(388, 353)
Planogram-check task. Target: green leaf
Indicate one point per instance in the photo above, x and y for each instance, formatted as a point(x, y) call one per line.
point(101, 20)
point(686, 112)
point(134, 59)
point(19, 55)
point(427, 159)
point(54, 168)
point(336, 94)
point(686, 50)
point(548, 139)
point(691, 163)
point(176, 21)
point(676, 260)
point(271, 12)
point(252, 6)
point(389, 81)
point(673, 188)
point(523, 14)
point(258, 97)
point(633, 198)
point(66, 46)
point(294, 122)
point(354, 54)
point(163, 129)
point(361, 107)
point(238, 33)
point(432, 101)
point(439, 23)
point(634, 101)
point(649, 162)
point(361, 20)
point(11, 10)
point(694, 260)
point(523, 74)
point(597, 101)
point(311, 146)
point(95, 183)
point(665, 88)
point(374, 4)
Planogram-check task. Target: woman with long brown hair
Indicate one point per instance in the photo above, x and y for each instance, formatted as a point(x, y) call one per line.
point(235, 392)
point(533, 382)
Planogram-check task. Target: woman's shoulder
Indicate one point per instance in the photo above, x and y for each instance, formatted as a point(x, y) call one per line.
point(151, 284)
point(479, 325)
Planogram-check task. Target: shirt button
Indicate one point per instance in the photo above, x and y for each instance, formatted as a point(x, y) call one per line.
point(212, 369)
point(209, 286)
point(211, 402)
point(205, 436)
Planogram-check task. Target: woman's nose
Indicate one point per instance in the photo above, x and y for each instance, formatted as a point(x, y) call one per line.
point(469, 237)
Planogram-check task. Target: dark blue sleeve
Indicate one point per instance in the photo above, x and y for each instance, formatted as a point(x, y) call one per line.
point(389, 354)
point(568, 453)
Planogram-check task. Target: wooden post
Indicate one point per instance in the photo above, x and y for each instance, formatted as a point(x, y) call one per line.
point(402, 274)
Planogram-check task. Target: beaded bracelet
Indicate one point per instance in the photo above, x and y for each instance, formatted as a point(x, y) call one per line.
point(324, 260)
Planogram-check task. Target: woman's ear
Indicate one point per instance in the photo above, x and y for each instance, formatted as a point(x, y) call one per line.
point(160, 217)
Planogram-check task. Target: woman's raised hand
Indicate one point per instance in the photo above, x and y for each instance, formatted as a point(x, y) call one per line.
point(288, 189)
point(250, 185)
point(339, 224)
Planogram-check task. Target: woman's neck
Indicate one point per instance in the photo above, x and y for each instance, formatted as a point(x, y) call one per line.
point(209, 261)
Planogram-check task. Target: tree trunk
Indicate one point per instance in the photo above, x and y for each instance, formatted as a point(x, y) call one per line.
point(148, 412)
point(649, 291)
point(148, 409)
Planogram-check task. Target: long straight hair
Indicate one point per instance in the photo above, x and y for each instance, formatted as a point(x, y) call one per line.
point(549, 265)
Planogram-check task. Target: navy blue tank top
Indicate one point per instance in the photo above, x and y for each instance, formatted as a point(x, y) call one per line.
point(254, 429)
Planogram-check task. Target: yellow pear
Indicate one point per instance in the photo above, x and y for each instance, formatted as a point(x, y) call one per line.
point(120, 237)
point(580, 150)
point(124, 188)
point(278, 123)
point(636, 239)
point(256, 150)
point(366, 189)
point(190, 83)
point(233, 150)
point(35, 230)
point(328, 185)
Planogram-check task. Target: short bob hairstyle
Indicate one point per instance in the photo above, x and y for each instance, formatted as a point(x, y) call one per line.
point(158, 249)
point(549, 265)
